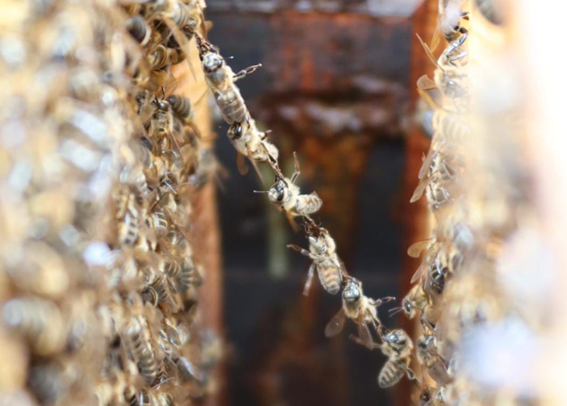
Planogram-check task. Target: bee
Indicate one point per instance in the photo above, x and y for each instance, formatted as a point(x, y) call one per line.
point(141, 351)
point(139, 29)
point(37, 321)
point(361, 310)
point(397, 346)
point(449, 22)
point(428, 357)
point(159, 58)
point(221, 80)
point(451, 80)
point(286, 196)
point(416, 300)
point(322, 250)
point(251, 143)
point(189, 275)
point(181, 107)
point(162, 119)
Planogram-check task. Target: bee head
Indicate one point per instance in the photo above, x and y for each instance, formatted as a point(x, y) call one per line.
point(352, 291)
point(235, 131)
point(212, 62)
point(397, 339)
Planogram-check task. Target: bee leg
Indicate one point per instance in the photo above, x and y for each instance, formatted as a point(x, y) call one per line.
point(359, 341)
point(300, 250)
point(244, 72)
point(461, 55)
point(297, 171)
point(310, 275)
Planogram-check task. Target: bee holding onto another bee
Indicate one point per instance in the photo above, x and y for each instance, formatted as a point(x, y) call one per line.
point(221, 80)
point(286, 196)
point(323, 252)
point(397, 346)
point(360, 309)
point(251, 143)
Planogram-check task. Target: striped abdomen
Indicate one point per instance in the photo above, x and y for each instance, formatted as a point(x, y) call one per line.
point(232, 106)
point(308, 204)
point(330, 276)
point(392, 372)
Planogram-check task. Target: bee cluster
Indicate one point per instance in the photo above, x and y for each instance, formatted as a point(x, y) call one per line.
point(473, 178)
point(286, 196)
point(100, 159)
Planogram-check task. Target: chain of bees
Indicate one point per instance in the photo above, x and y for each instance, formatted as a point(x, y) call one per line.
point(286, 196)
point(98, 280)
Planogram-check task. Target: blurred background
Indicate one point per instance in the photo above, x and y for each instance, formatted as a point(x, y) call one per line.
point(335, 87)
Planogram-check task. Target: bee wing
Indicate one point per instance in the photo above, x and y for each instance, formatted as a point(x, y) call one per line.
point(182, 41)
point(431, 154)
point(428, 53)
point(419, 273)
point(425, 83)
point(365, 336)
point(241, 164)
point(417, 248)
point(292, 221)
point(335, 326)
point(435, 38)
point(418, 192)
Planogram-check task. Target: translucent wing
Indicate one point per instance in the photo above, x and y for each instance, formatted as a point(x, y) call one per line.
point(241, 164)
point(292, 221)
point(428, 53)
point(365, 336)
point(417, 248)
point(335, 326)
point(418, 192)
point(435, 38)
point(419, 273)
point(425, 83)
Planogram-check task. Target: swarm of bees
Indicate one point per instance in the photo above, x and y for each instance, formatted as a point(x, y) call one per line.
point(100, 159)
point(476, 203)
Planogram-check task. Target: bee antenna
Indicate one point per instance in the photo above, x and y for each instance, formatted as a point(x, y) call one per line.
point(260, 191)
point(395, 311)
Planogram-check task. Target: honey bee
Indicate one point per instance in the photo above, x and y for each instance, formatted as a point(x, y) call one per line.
point(414, 301)
point(181, 107)
point(286, 196)
point(159, 58)
point(250, 142)
point(141, 351)
point(450, 80)
point(361, 310)
point(220, 78)
point(449, 22)
point(37, 321)
point(322, 250)
point(189, 275)
point(397, 346)
point(428, 357)
point(139, 29)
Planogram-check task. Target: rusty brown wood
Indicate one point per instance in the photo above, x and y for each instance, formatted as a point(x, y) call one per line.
point(416, 215)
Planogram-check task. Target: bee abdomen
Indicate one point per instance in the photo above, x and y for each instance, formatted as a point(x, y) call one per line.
point(180, 105)
point(309, 204)
point(391, 373)
point(232, 106)
point(139, 29)
point(147, 365)
point(330, 279)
